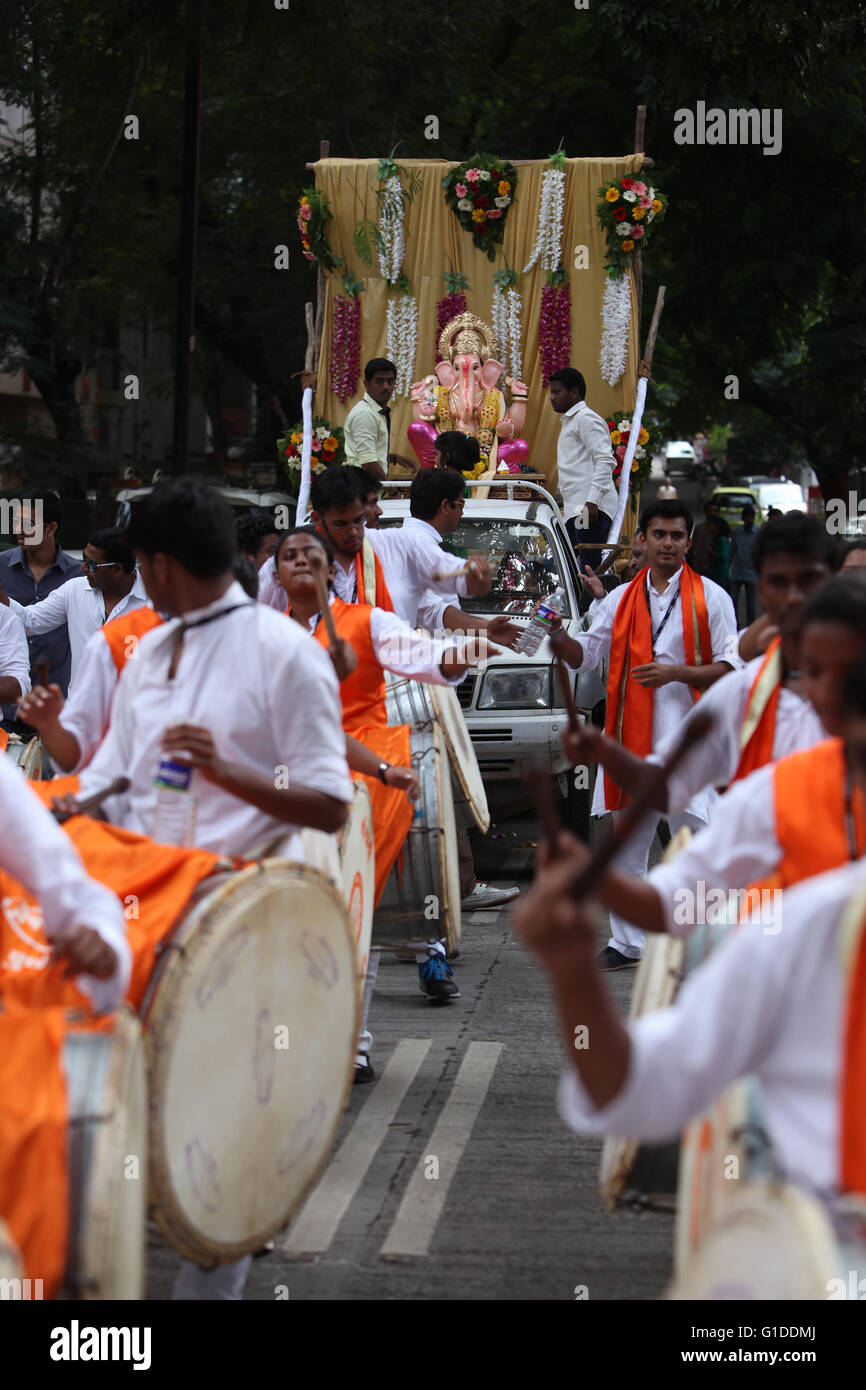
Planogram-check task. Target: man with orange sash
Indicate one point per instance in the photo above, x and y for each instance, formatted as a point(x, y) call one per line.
point(670, 634)
point(759, 713)
point(787, 821)
point(789, 1009)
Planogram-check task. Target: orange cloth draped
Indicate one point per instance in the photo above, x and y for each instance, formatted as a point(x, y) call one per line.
point(809, 790)
point(133, 626)
point(629, 716)
point(34, 1183)
point(379, 598)
point(365, 718)
point(4, 740)
point(852, 1134)
point(153, 882)
point(762, 706)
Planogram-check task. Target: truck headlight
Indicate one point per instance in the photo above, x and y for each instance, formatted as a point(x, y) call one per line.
point(515, 688)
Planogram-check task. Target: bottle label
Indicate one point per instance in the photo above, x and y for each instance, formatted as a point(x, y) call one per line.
point(173, 775)
point(545, 614)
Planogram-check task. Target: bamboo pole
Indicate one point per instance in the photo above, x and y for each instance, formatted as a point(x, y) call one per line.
point(324, 150)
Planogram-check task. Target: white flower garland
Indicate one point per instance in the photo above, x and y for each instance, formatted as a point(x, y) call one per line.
point(402, 339)
point(548, 238)
point(505, 319)
point(615, 319)
point(392, 243)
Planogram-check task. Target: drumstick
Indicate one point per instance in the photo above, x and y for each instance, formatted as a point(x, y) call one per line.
point(317, 564)
point(588, 877)
point(567, 693)
point(42, 668)
point(438, 577)
point(91, 803)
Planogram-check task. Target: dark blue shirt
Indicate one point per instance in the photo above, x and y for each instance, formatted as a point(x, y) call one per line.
point(17, 580)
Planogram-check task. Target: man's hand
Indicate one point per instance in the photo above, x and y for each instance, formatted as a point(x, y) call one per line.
point(502, 630)
point(343, 657)
point(67, 805)
point(198, 744)
point(407, 463)
point(471, 652)
point(405, 780)
point(42, 706)
point(654, 674)
point(583, 745)
point(593, 583)
point(478, 577)
point(86, 953)
point(547, 918)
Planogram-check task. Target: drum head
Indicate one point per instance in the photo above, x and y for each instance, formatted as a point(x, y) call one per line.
point(358, 874)
point(770, 1242)
point(31, 761)
point(251, 1032)
point(106, 1087)
point(464, 763)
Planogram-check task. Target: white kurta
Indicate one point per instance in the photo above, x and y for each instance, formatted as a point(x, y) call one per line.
point(713, 761)
point(36, 851)
point(672, 702)
point(14, 654)
point(772, 1006)
point(267, 693)
point(87, 711)
point(82, 608)
point(410, 555)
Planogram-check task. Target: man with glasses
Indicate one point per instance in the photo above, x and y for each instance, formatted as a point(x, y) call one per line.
point(108, 587)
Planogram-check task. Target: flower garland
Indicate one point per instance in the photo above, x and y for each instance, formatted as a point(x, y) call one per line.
point(346, 340)
point(554, 325)
point(402, 336)
point(615, 320)
point(329, 448)
point(648, 444)
point(397, 188)
point(313, 216)
point(548, 239)
point(453, 303)
point(479, 192)
point(627, 210)
point(505, 318)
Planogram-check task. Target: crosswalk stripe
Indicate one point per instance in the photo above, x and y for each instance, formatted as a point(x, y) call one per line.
point(316, 1224)
point(413, 1227)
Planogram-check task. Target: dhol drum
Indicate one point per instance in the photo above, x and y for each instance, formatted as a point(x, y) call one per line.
point(10, 1260)
point(103, 1117)
point(349, 861)
point(417, 704)
point(251, 1018)
point(27, 754)
point(772, 1242)
point(422, 895)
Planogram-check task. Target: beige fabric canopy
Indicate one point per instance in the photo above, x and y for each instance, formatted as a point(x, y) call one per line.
point(434, 238)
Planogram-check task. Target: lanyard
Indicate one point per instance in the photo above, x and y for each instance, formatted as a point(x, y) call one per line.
point(658, 632)
point(200, 622)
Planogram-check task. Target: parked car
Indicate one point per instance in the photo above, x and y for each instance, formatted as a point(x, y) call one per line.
point(760, 493)
point(513, 708)
point(679, 458)
point(241, 500)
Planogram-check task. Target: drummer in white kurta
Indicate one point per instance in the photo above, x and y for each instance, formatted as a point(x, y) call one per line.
point(792, 555)
point(230, 689)
point(666, 527)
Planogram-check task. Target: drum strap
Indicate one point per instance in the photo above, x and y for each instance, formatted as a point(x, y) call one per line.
point(186, 627)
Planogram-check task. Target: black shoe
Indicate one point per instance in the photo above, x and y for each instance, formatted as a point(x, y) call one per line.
point(612, 959)
point(363, 1073)
point(434, 978)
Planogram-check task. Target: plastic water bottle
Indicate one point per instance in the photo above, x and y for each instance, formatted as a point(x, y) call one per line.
point(541, 623)
point(176, 802)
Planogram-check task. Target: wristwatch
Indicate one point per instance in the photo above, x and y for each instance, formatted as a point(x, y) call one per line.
point(382, 770)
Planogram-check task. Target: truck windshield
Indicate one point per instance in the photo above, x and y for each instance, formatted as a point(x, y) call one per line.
point(524, 564)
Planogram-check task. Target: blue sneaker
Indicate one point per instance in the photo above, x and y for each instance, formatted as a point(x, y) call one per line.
point(435, 979)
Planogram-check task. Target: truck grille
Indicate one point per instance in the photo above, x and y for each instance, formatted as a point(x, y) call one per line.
point(481, 734)
point(465, 691)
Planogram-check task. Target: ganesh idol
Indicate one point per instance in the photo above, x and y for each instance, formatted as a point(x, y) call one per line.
point(463, 395)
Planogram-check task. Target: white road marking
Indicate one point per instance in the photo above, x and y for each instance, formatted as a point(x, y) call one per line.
point(424, 1198)
point(315, 1226)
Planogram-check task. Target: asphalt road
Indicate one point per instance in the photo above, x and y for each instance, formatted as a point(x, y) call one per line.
point(515, 1211)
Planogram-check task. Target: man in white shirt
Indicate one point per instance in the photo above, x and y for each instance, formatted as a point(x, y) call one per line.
point(666, 528)
point(773, 1005)
point(585, 463)
point(368, 425)
point(14, 661)
point(109, 587)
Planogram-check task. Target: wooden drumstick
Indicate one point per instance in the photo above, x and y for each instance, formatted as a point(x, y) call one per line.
point(538, 782)
point(587, 878)
point(91, 803)
point(41, 669)
point(438, 577)
point(317, 565)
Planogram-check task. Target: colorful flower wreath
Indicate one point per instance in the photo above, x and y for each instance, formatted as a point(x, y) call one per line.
point(328, 448)
point(479, 193)
point(649, 443)
point(629, 210)
point(313, 216)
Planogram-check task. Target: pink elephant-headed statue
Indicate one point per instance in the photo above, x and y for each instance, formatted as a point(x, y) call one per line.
point(463, 395)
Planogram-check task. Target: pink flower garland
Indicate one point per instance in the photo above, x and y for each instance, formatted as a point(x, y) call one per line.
point(346, 346)
point(554, 330)
point(446, 310)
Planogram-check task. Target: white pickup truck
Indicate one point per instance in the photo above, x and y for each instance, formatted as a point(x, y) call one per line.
point(514, 708)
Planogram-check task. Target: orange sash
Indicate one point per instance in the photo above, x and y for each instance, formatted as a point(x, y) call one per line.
point(809, 792)
point(370, 578)
point(365, 718)
point(852, 1127)
point(758, 733)
point(124, 633)
point(630, 706)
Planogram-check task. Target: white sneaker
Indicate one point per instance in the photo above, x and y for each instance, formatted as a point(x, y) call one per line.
point(483, 896)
